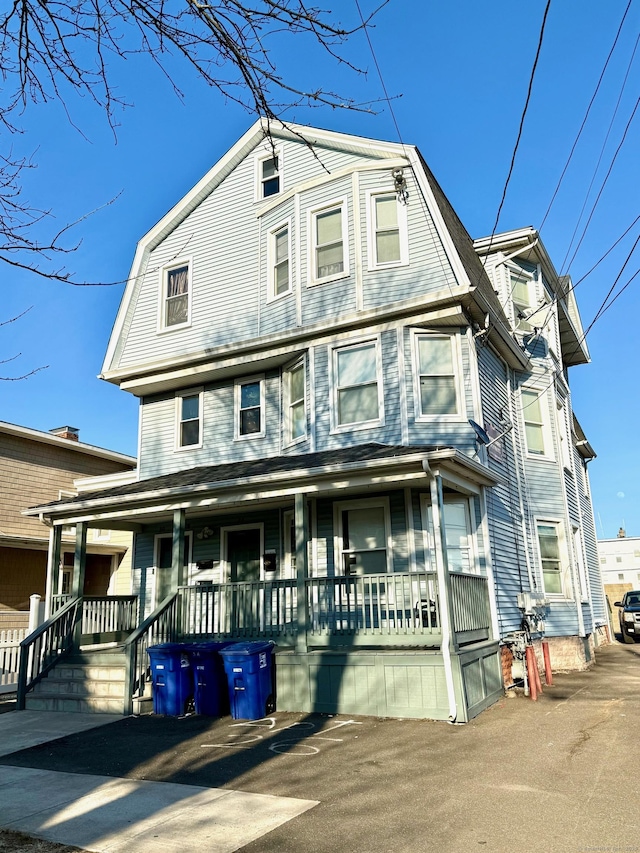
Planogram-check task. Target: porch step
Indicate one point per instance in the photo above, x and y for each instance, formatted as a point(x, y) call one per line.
point(90, 681)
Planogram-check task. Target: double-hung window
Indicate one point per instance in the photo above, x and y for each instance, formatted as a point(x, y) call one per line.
point(329, 250)
point(435, 375)
point(295, 409)
point(534, 425)
point(176, 287)
point(388, 244)
point(549, 545)
point(356, 372)
point(189, 420)
point(363, 535)
point(249, 407)
point(280, 261)
point(269, 175)
point(521, 287)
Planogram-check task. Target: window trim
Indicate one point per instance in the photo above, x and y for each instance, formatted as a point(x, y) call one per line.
point(336, 204)
point(548, 454)
point(566, 593)
point(428, 533)
point(529, 279)
point(336, 426)
point(179, 396)
point(267, 153)
point(272, 295)
point(237, 386)
point(403, 236)
point(338, 534)
point(164, 271)
point(456, 357)
point(287, 402)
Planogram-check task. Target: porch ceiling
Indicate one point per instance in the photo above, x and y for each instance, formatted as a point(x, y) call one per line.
point(272, 482)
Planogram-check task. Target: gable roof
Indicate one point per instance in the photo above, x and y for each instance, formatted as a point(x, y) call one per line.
point(30, 434)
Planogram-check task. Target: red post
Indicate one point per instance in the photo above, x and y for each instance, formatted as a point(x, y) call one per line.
point(548, 674)
point(532, 668)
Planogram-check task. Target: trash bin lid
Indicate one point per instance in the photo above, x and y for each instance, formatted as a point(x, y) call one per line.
point(166, 647)
point(253, 647)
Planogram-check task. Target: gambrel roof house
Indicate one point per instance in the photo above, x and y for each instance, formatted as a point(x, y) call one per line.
point(356, 432)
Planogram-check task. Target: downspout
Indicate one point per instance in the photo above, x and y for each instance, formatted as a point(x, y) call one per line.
point(448, 645)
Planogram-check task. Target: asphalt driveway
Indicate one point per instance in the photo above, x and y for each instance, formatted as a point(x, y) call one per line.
point(524, 776)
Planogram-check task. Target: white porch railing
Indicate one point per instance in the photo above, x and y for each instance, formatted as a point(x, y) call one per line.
point(10, 658)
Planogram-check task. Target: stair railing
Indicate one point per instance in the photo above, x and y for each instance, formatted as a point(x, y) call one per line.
point(161, 626)
point(44, 647)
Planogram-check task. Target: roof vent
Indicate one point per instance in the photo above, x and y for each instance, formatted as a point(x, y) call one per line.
point(68, 432)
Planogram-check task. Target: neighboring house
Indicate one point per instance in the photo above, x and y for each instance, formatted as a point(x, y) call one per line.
point(620, 566)
point(38, 467)
point(356, 431)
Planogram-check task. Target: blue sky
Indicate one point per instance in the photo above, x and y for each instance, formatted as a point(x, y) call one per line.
point(460, 72)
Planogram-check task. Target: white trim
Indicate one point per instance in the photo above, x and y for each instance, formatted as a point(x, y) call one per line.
point(162, 327)
point(288, 441)
point(566, 581)
point(402, 384)
point(357, 240)
point(312, 214)
point(456, 358)
point(237, 385)
point(548, 454)
point(403, 235)
point(353, 343)
point(225, 568)
point(362, 503)
point(272, 296)
point(179, 397)
point(267, 153)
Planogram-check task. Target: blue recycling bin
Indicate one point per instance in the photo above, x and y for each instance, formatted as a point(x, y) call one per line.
point(249, 671)
point(210, 696)
point(171, 678)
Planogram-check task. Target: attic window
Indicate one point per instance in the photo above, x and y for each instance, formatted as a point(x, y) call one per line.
point(176, 287)
point(270, 176)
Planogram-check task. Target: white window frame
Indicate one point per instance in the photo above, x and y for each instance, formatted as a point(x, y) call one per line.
point(547, 438)
point(336, 204)
point(403, 236)
point(248, 380)
point(336, 426)
point(193, 392)
point(456, 357)
point(268, 153)
point(428, 533)
point(338, 538)
point(566, 586)
point(288, 402)
point(527, 278)
point(164, 277)
point(225, 567)
point(271, 261)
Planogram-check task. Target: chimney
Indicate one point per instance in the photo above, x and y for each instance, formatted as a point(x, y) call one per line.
point(68, 432)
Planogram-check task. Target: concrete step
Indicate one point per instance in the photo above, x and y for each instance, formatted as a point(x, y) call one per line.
point(79, 705)
point(86, 672)
point(79, 687)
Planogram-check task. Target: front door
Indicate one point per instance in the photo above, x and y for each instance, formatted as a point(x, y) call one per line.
point(244, 554)
point(164, 554)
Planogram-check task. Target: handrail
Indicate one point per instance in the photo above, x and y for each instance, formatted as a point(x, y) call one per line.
point(160, 626)
point(41, 650)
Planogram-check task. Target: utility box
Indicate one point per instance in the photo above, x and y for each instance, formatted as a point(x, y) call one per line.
point(249, 671)
point(171, 678)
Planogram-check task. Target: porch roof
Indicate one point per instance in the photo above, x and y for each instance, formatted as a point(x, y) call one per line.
point(213, 487)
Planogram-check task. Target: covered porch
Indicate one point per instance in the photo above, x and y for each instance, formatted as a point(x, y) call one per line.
point(417, 639)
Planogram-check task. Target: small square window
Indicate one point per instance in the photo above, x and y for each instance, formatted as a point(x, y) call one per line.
point(620, 576)
point(250, 408)
point(618, 559)
point(176, 296)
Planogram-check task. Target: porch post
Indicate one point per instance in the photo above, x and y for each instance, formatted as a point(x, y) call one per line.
point(442, 563)
point(79, 560)
point(77, 587)
point(177, 552)
point(53, 567)
point(302, 537)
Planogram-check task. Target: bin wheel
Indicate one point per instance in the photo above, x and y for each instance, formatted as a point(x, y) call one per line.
point(271, 704)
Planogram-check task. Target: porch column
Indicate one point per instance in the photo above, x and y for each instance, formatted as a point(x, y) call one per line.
point(53, 567)
point(302, 570)
point(79, 560)
point(177, 551)
point(77, 587)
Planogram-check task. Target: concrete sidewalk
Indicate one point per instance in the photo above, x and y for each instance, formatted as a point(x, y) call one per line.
point(553, 776)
